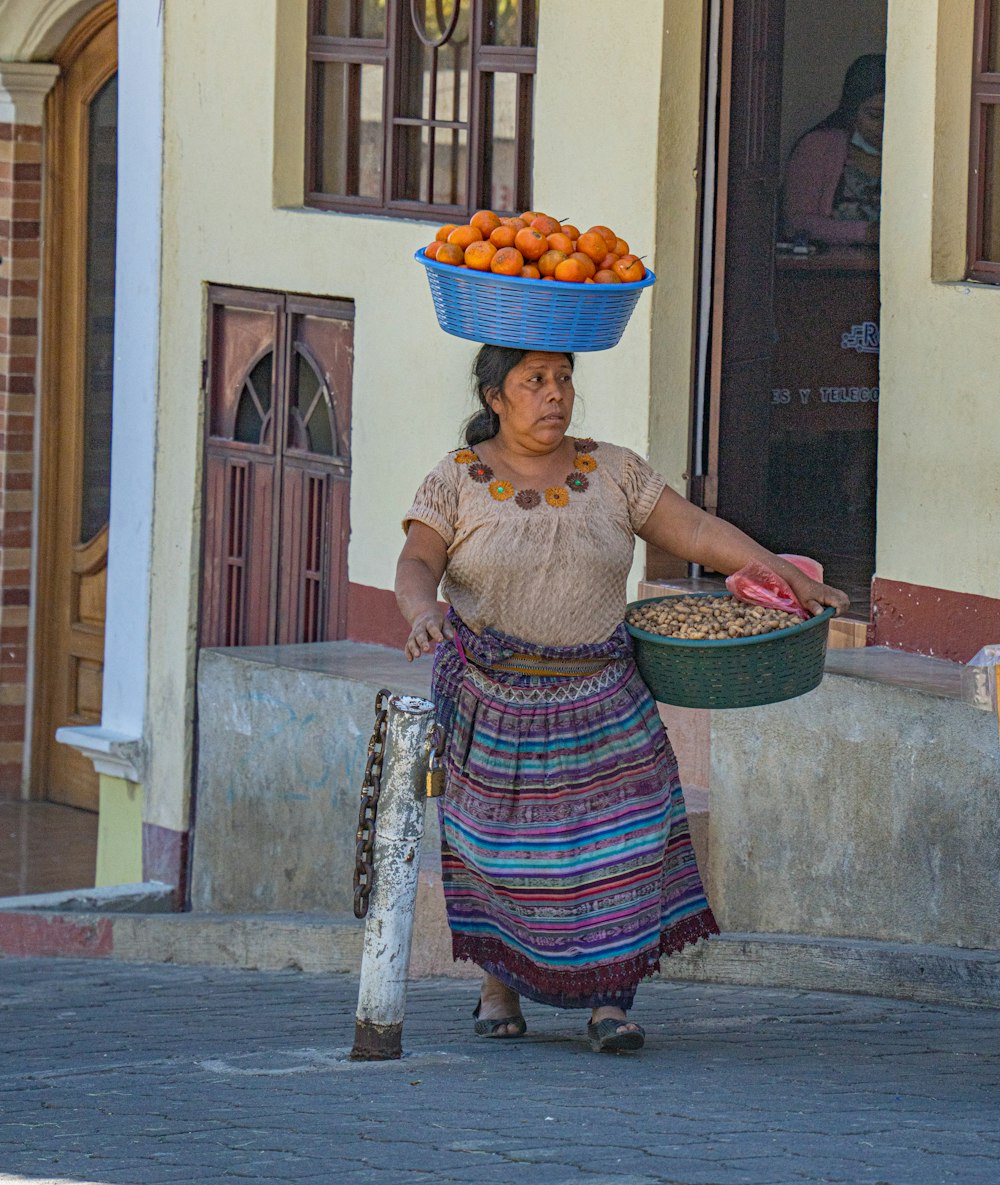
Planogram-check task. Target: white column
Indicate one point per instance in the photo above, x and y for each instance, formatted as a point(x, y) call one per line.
point(118, 744)
point(23, 88)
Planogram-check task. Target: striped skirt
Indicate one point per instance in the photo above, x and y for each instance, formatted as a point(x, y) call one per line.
point(567, 865)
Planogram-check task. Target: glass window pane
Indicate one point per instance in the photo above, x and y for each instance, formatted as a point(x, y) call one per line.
point(349, 129)
point(102, 184)
point(502, 22)
point(451, 168)
point(352, 18)
point(991, 184)
point(500, 175)
point(310, 416)
point(438, 22)
point(253, 412)
point(993, 37)
point(434, 79)
point(439, 176)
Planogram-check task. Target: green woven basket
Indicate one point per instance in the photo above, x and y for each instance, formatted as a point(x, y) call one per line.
point(735, 673)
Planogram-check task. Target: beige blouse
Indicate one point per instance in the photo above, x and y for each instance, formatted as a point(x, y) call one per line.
point(550, 574)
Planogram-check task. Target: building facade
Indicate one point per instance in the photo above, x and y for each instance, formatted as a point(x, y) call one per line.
point(265, 275)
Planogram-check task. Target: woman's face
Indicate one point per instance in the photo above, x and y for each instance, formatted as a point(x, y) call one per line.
point(536, 404)
point(869, 119)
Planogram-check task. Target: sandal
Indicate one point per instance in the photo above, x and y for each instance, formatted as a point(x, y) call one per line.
point(605, 1038)
point(490, 1026)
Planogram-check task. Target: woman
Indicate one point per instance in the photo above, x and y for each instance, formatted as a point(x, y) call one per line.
point(833, 184)
point(567, 866)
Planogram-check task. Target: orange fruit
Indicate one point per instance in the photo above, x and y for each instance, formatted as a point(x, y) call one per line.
point(464, 235)
point(592, 244)
point(516, 223)
point(630, 269)
point(444, 232)
point(529, 216)
point(432, 249)
point(570, 231)
point(606, 277)
point(547, 225)
point(620, 248)
point(585, 261)
point(530, 272)
point(608, 261)
point(450, 253)
point(571, 271)
point(485, 221)
point(531, 243)
point(607, 234)
point(548, 262)
point(508, 261)
point(560, 242)
point(479, 256)
point(503, 236)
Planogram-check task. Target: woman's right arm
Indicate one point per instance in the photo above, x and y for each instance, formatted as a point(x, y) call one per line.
point(811, 182)
point(418, 573)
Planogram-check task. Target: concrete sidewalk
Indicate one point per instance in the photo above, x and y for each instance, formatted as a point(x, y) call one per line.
point(139, 1074)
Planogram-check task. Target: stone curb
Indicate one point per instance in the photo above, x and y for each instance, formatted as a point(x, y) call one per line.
point(931, 974)
point(261, 943)
point(333, 943)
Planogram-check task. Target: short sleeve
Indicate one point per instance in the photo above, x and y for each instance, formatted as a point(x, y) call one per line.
point(642, 486)
point(436, 505)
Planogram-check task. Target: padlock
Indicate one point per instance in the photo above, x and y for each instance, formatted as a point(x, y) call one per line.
point(435, 776)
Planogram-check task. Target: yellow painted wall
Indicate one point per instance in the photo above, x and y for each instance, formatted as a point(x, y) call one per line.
point(939, 415)
point(119, 832)
point(232, 169)
point(678, 214)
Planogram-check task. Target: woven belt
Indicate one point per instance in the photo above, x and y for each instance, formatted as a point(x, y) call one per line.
point(533, 664)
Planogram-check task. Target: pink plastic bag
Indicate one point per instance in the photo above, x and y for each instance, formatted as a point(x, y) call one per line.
point(756, 585)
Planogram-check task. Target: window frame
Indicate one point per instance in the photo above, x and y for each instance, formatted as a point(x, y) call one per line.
point(985, 94)
point(519, 61)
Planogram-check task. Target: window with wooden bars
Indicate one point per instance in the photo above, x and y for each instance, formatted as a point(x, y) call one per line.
point(277, 469)
point(984, 165)
point(420, 108)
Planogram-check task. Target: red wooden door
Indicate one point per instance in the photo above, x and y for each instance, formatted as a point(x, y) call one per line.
point(277, 469)
point(753, 41)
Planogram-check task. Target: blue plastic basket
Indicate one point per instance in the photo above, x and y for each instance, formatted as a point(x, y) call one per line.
point(530, 314)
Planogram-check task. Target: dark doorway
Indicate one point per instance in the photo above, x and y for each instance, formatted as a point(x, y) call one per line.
point(793, 387)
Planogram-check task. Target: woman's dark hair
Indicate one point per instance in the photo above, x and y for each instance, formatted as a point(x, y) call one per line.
point(489, 372)
point(865, 77)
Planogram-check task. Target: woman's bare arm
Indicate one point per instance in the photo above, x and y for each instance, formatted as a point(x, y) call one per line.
point(677, 526)
point(418, 573)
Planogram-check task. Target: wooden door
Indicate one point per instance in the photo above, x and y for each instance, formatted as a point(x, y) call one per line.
point(277, 469)
point(78, 353)
point(743, 322)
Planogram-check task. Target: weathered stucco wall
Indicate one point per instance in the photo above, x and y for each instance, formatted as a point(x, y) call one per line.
point(31, 30)
point(939, 419)
point(859, 810)
point(232, 167)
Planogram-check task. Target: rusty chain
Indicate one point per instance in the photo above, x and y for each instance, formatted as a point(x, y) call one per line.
point(364, 871)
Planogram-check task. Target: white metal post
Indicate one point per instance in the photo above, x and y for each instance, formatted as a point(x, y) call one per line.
point(399, 828)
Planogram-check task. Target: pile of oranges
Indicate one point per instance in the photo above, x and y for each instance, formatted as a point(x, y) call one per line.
point(537, 247)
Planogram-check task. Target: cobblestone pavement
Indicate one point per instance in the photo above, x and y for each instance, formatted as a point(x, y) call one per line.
point(113, 1073)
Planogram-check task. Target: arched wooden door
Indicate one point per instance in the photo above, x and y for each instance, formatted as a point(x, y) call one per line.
point(77, 363)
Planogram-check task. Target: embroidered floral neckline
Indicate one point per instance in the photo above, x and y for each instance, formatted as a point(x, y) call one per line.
point(557, 496)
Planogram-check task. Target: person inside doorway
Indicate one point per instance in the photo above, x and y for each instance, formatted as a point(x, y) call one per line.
point(834, 179)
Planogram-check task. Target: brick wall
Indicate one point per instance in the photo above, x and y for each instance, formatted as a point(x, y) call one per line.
point(20, 219)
